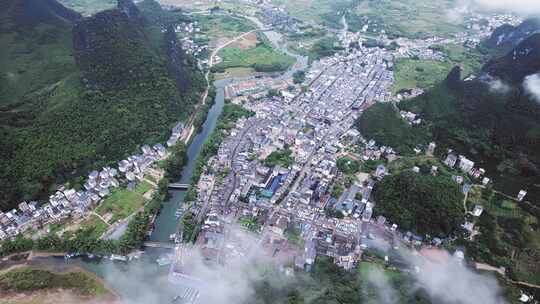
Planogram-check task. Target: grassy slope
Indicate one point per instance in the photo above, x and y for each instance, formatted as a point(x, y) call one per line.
point(411, 73)
point(411, 18)
point(29, 279)
point(222, 26)
point(425, 74)
point(262, 53)
point(33, 59)
point(123, 202)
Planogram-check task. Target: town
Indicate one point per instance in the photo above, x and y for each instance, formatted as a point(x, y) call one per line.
point(276, 173)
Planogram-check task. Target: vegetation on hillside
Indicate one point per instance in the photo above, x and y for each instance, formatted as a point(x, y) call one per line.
point(299, 77)
point(123, 93)
point(422, 203)
point(324, 47)
point(382, 123)
point(499, 131)
point(89, 7)
point(328, 283)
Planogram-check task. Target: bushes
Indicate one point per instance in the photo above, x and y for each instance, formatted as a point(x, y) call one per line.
point(280, 157)
point(348, 165)
point(28, 279)
point(299, 77)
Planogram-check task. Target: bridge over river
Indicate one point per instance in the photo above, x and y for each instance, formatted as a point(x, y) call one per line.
point(161, 245)
point(178, 186)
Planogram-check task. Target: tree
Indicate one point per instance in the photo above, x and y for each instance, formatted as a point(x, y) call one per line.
point(299, 77)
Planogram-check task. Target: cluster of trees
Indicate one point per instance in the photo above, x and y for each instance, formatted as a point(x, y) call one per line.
point(176, 161)
point(382, 123)
point(328, 283)
point(82, 241)
point(348, 165)
point(271, 67)
point(299, 77)
point(422, 203)
point(190, 227)
point(280, 157)
point(325, 47)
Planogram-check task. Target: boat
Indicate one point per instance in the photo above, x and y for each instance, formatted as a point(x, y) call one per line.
point(164, 262)
point(116, 257)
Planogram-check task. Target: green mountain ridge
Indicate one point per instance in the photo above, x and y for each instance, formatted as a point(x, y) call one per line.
point(84, 94)
point(500, 131)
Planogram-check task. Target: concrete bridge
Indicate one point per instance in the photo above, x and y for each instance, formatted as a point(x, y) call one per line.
point(159, 245)
point(178, 186)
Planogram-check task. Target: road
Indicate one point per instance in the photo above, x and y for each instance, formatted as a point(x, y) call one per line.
point(190, 128)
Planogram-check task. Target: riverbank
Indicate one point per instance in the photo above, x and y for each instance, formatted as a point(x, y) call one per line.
point(31, 281)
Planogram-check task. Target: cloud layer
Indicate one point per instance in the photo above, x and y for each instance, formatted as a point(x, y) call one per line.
point(532, 86)
point(521, 7)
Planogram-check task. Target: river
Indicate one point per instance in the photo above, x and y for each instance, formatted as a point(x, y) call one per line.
point(143, 281)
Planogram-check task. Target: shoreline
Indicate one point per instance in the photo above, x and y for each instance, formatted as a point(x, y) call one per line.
point(110, 296)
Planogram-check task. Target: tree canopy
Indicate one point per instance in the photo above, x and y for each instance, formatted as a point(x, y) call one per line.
point(421, 203)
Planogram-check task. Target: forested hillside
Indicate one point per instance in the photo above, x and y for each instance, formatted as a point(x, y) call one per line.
point(500, 129)
point(121, 84)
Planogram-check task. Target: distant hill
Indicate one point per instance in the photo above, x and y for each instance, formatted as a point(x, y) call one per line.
point(507, 37)
point(79, 93)
point(499, 129)
point(522, 61)
point(22, 15)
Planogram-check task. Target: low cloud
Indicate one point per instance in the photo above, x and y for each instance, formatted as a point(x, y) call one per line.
point(444, 279)
point(532, 86)
point(523, 8)
point(520, 7)
point(384, 290)
point(498, 86)
point(450, 282)
point(247, 263)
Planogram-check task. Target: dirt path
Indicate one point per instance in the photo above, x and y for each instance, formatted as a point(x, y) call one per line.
point(190, 128)
point(101, 218)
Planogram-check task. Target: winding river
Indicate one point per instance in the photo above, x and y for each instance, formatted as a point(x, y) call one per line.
point(143, 281)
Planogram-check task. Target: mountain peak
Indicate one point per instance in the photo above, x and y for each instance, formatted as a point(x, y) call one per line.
point(23, 14)
point(522, 61)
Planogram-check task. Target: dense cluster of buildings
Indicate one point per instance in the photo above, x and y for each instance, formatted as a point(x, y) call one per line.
point(312, 128)
point(278, 18)
point(188, 31)
point(76, 203)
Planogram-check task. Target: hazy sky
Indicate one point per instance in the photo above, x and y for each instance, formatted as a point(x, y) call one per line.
point(522, 7)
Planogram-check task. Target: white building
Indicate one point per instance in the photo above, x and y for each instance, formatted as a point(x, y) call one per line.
point(521, 195)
